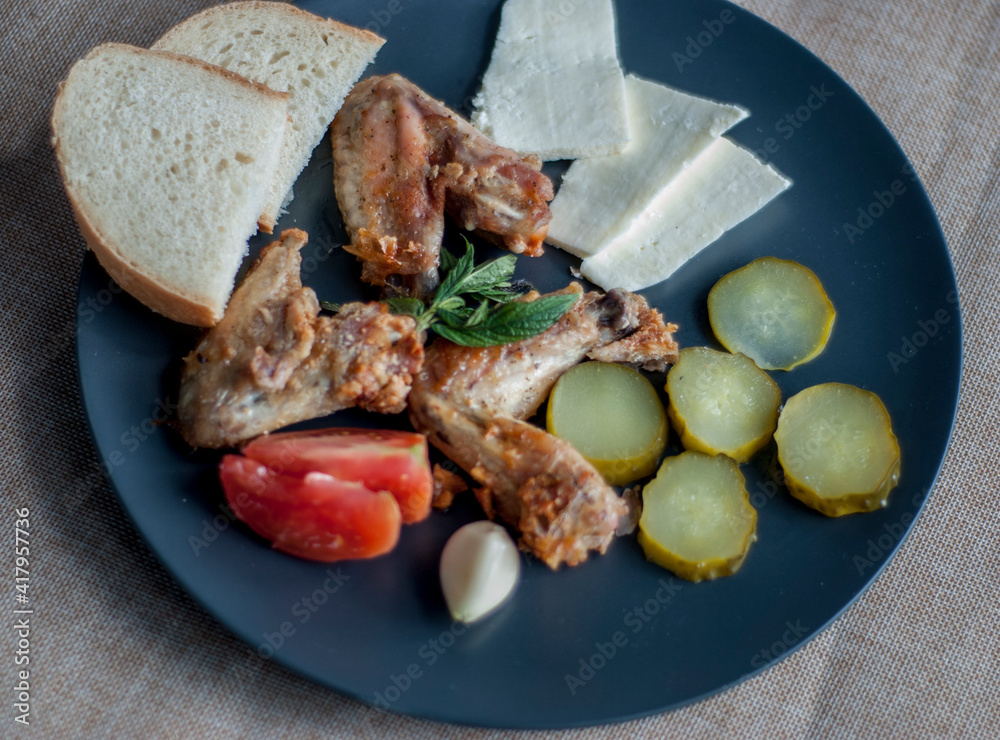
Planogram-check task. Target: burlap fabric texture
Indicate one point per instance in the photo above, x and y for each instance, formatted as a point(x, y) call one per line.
point(121, 651)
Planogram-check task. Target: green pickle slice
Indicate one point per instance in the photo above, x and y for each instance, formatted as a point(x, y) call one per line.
point(697, 520)
point(773, 311)
point(721, 403)
point(613, 416)
point(837, 449)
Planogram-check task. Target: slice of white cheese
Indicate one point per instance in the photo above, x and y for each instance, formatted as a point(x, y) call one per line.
point(724, 186)
point(554, 87)
point(600, 198)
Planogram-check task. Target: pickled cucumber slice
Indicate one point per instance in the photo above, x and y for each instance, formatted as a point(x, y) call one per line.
point(773, 311)
point(697, 520)
point(721, 403)
point(613, 416)
point(837, 449)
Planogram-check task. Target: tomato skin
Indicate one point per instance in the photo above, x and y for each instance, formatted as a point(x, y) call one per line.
point(382, 460)
point(313, 516)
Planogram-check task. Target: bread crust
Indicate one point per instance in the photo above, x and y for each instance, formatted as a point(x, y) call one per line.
point(131, 278)
point(213, 68)
point(139, 285)
point(267, 220)
point(360, 34)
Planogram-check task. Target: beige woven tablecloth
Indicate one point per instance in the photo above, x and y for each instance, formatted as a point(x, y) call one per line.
point(119, 650)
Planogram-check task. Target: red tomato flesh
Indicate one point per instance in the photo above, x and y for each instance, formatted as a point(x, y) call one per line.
point(312, 515)
point(381, 460)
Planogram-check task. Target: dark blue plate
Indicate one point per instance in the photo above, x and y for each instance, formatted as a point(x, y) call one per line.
point(616, 637)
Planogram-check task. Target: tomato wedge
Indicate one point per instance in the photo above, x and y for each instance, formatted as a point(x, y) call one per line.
point(313, 515)
point(381, 460)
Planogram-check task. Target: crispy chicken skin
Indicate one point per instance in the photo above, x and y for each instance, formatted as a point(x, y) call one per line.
point(514, 379)
point(401, 159)
point(272, 360)
point(530, 479)
point(471, 403)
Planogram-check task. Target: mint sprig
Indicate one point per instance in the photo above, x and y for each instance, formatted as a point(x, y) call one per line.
point(507, 322)
point(476, 306)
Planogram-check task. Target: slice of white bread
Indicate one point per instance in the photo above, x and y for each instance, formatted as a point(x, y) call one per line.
point(600, 198)
point(725, 185)
point(554, 87)
point(315, 60)
point(167, 161)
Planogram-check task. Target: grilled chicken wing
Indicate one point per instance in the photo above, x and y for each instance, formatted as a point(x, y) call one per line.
point(401, 159)
point(272, 360)
point(536, 482)
point(471, 403)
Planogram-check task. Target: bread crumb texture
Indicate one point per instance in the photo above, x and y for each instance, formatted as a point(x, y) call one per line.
point(315, 60)
point(169, 161)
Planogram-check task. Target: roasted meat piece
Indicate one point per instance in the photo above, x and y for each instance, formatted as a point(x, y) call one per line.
point(401, 159)
point(530, 479)
point(471, 403)
point(514, 379)
point(273, 360)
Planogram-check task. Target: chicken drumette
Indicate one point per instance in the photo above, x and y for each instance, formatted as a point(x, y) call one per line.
point(471, 402)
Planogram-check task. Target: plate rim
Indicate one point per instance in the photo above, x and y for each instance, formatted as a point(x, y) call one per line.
point(957, 380)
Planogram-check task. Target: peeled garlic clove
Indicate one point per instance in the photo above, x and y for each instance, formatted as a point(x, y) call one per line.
point(479, 569)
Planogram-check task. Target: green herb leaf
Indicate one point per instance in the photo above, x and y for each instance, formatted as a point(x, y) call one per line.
point(448, 260)
point(510, 322)
point(476, 306)
point(452, 282)
point(457, 319)
point(476, 317)
point(505, 293)
point(329, 306)
point(449, 304)
point(405, 306)
point(494, 275)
